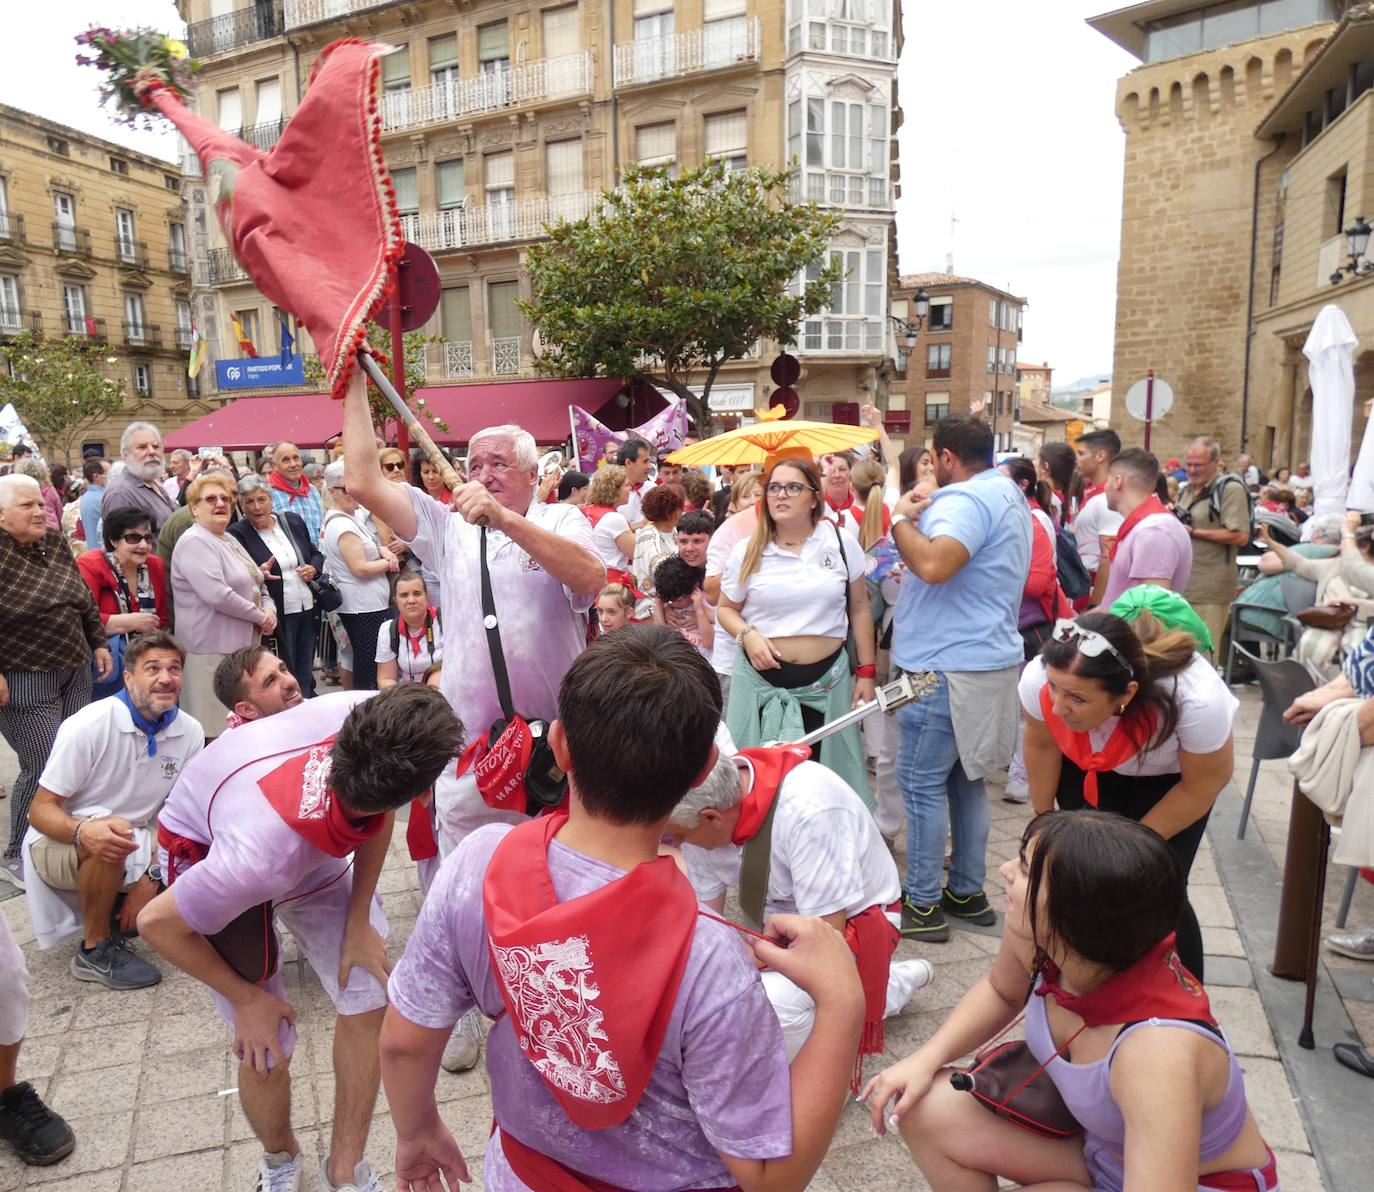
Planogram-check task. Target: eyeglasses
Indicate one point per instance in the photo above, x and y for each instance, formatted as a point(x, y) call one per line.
point(217, 499)
point(132, 539)
point(394, 466)
point(1090, 644)
point(792, 488)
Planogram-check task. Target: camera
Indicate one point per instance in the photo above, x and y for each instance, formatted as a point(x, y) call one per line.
point(1367, 519)
point(1183, 515)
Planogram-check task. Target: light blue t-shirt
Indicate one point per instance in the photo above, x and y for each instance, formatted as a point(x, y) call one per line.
point(969, 622)
point(90, 515)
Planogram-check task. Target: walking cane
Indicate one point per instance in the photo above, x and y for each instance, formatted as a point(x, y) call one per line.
point(1305, 1039)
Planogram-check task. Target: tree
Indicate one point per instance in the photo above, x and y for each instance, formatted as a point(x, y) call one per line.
point(415, 344)
point(676, 276)
point(57, 389)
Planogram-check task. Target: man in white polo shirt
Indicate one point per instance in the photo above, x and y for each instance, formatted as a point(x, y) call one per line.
point(92, 822)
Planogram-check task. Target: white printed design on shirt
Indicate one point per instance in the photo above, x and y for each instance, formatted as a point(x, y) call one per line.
point(552, 989)
point(315, 784)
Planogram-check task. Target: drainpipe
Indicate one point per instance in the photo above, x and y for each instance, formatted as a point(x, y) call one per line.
point(1250, 300)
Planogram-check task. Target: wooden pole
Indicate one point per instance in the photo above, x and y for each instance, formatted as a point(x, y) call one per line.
point(407, 418)
point(398, 355)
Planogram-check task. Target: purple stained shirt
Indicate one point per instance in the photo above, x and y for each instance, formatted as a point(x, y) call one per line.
point(721, 1083)
point(1157, 548)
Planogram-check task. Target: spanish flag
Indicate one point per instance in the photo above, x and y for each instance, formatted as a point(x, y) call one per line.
point(245, 344)
point(197, 361)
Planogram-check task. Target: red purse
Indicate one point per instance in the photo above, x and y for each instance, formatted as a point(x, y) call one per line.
point(1007, 1079)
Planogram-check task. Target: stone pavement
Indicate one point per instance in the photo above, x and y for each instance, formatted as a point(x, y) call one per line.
point(145, 1080)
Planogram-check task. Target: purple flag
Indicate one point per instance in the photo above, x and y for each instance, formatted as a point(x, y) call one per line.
point(592, 437)
point(664, 432)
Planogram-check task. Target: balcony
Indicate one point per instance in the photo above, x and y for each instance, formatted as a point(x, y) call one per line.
point(142, 335)
point(185, 339)
point(177, 260)
point(131, 252)
point(841, 336)
point(12, 228)
point(219, 35)
point(69, 238)
point(505, 356)
point(308, 12)
point(222, 269)
point(263, 135)
point(546, 78)
point(13, 321)
point(85, 327)
point(458, 359)
point(830, 188)
point(495, 223)
point(713, 47)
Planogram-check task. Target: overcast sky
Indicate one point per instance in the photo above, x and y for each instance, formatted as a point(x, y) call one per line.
point(1009, 128)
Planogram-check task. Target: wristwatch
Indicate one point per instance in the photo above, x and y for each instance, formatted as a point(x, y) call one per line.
point(154, 873)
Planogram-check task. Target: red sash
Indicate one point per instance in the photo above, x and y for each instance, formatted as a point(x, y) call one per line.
point(182, 852)
point(420, 833)
point(771, 766)
point(873, 939)
point(588, 987)
point(1151, 504)
point(299, 490)
point(536, 1170)
point(299, 792)
point(1155, 986)
point(1127, 739)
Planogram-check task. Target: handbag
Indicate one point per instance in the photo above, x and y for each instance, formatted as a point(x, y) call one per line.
point(248, 944)
point(1007, 1079)
point(1328, 616)
point(326, 592)
point(519, 760)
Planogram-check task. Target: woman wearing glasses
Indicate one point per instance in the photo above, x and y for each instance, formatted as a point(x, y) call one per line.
point(790, 595)
point(1131, 719)
point(219, 594)
point(129, 583)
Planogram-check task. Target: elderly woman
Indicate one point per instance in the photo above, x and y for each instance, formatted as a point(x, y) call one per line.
point(129, 583)
point(220, 596)
point(361, 569)
point(615, 541)
point(49, 632)
point(52, 499)
point(279, 543)
point(657, 539)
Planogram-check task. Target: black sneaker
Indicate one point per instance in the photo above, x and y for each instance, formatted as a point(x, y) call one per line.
point(924, 922)
point(973, 908)
point(38, 1135)
point(113, 964)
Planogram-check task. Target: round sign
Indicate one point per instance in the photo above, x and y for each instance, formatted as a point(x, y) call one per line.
point(1161, 402)
point(418, 283)
point(788, 398)
point(786, 370)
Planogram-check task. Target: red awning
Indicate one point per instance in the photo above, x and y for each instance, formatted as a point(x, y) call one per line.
point(309, 419)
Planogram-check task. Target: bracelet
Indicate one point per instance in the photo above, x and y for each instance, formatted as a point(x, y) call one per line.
point(76, 835)
point(739, 637)
point(866, 670)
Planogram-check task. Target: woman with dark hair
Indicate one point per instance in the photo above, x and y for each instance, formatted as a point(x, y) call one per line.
point(1131, 718)
point(428, 479)
point(1042, 603)
point(1056, 465)
point(915, 465)
point(1113, 1020)
point(790, 595)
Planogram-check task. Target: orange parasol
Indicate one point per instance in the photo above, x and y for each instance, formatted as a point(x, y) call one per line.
point(771, 438)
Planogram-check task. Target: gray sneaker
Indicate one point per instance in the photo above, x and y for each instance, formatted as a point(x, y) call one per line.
point(364, 1179)
point(12, 871)
point(113, 964)
point(1356, 944)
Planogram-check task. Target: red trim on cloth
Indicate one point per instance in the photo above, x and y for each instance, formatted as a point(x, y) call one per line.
point(1243, 1179)
point(1128, 738)
point(1151, 504)
point(771, 765)
point(182, 852)
point(1155, 986)
point(873, 939)
point(299, 792)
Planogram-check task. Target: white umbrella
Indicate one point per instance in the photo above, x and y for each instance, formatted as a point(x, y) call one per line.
point(1362, 482)
point(1330, 351)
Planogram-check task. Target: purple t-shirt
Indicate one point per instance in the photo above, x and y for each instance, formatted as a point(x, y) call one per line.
point(721, 1083)
point(1158, 547)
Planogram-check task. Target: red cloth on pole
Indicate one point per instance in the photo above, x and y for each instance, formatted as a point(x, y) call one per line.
point(313, 220)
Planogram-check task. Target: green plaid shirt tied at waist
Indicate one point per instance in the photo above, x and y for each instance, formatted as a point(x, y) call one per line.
point(48, 617)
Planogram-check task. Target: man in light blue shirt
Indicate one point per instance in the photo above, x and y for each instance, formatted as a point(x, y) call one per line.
point(95, 471)
point(967, 553)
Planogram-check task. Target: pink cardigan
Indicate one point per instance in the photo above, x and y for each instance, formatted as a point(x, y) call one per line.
point(216, 605)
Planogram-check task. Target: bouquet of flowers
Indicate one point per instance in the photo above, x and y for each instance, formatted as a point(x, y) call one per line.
point(135, 61)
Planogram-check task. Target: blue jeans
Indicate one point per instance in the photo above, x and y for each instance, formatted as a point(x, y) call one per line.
point(937, 794)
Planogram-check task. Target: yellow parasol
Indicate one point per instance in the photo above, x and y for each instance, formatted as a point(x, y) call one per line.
point(772, 438)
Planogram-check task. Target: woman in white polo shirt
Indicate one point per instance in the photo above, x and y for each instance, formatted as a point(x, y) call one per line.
point(1131, 719)
point(611, 533)
point(412, 641)
point(790, 595)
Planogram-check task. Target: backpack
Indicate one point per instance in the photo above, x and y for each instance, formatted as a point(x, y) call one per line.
point(1214, 498)
point(1074, 578)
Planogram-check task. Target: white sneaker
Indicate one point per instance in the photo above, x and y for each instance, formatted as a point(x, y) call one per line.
point(279, 1171)
point(1359, 945)
point(1017, 790)
point(464, 1046)
point(364, 1179)
point(905, 977)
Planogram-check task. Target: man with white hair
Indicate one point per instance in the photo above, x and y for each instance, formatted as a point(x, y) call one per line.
point(139, 485)
point(178, 474)
point(815, 850)
point(292, 492)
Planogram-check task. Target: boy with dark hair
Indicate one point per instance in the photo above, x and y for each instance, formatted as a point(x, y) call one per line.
point(680, 603)
point(693, 532)
point(637, 1050)
point(1094, 519)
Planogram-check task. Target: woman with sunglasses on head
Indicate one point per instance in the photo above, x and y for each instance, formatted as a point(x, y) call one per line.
point(790, 595)
point(1131, 719)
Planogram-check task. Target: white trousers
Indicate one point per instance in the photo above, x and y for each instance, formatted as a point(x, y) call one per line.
point(797, 1012)
point(14, 988)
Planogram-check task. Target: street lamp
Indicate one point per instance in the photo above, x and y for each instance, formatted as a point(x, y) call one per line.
point(909, 330)
point(1356, 241)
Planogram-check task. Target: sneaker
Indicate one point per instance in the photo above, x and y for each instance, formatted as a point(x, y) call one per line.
point(1017, 790)
point(279, 1171)
point(1356, 944)
point(904, 979)
point(364, 1179)
point(38, 1135)
point(924, 922)
point(464, 1046)
point(12, 871)
point(973, 908)
point(113, 964)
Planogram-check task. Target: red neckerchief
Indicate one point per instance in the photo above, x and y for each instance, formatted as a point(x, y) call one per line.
point(299, 792)
point(420, 833)
point(771, 766)
point(1151, 504)
point(594, 513)
point(299, 490)
point(425, 630)
point(1090, 491)
point(1127, 739)
point(589, 989)
point(634, 488)
point(841, 506)
point(1155, 986)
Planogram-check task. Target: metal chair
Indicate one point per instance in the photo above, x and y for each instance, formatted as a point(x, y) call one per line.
point(1280, 683)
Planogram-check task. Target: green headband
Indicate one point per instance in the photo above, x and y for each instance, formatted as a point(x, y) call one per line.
point(1169, 608)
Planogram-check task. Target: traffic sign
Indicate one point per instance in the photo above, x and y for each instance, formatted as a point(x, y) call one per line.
point(1160, 403)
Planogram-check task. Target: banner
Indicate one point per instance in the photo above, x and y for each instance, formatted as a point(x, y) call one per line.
point(262, 373)
point(664, 432)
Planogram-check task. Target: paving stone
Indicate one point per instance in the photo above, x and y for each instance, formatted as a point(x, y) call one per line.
point(192, 1074)
point(109, 1007)
point(102, 1142)
point(1271, 1100)
point(1298, 1172)
point(1362, 1015)
point(76, 1094)
point(241, 1162)
point(108, 1180)
point(877, 1163)
point(1222, 941)
point(104, 1047)
point(176, 1127)
point(188, 1032)
point(203, 1170)
point(1241, 1015)
point(1229, 970)
point(1211, 906)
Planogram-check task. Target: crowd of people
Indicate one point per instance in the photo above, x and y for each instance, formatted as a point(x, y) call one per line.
point(579, 685)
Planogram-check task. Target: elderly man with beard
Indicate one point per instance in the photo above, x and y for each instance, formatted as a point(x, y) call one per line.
point(139, 485)
point(91, 836)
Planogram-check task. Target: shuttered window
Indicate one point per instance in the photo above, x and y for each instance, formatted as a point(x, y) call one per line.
point(230, 109)
point(407, 193)
point(269, 101)
point(492, 43)
point(455, 311)
point(443, 54)
point(503, 316)
point(450, 184)
point(655, 144)
point(727, 136)
point(500, 171)
point(563, 160)
point(715, 10)
point(396, 70)
point(562, 31)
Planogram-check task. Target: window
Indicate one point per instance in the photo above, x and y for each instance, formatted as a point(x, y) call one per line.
point(183, 315)
point(176, 235)
point(860, 291)
point(230, 108)
point(937, 360)
point(1334, 220)
point(124, 234)
point(503, 321)
point(493, 47)
point(119, 166)
point(815, 134)
point(992, 312)
point(407, 192)
point(562, 31)
point(396, 70)
point(64, 222)
point(455, 315)
point(443, 59)
point(74, 310)
point(171, 182)
point(847, 136)
point(717, 10)
point(878, 152)
point(941, 316)
point(499, 188)
point(656, 144)
point(59, 146)
point(143, 379)
point(992, 358)
point(563, 179)
point(10, 321)
point(135, 325)
point(269, 101)
point(449, 184)
point(794, 130)
point(937, 407)
point(248, 321)
point(655, 54)
point(727, 137)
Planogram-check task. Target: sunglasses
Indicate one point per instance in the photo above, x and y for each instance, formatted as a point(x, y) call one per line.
point(394, 466)
point(1090, 644)
point(132, 539)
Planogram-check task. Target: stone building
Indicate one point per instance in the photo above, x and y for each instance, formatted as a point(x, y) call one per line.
point(500, 116)
point(1034, 382)
point(93, 245)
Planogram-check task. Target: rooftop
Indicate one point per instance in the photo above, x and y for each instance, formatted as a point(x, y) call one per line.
point(1351, 43)
point(1034, 411)
point(80, 136)
point(942, 281)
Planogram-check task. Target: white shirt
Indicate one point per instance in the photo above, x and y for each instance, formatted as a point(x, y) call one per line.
point(604, 535)
point(1094, 520)
point(542, 629)
point(792, 595)
point(1206, 713)
point(827, 856)
point(633, 509)
point(295, 592)
point(410, 666)
point(734, 529)
point(360, 595)
point(652, 546)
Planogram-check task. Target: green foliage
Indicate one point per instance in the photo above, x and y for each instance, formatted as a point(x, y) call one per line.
point(676, 276)
point(416, 347)
point(57, 389)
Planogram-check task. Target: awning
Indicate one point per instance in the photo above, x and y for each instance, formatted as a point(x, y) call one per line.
point(309, 419)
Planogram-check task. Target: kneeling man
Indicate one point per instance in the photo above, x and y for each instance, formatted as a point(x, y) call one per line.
point(793, 838)
point(253, 683)
point(91, 833)
point(290, 817)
